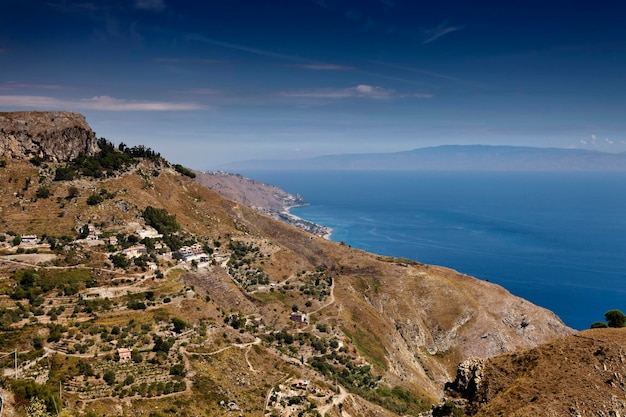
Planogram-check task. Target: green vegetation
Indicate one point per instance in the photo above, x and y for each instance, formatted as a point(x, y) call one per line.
point(107, 162)
point(43, 192)
point(165, 224)
point(185, 171)
point(31, 284)
point(614, 318)
point(240, 265)
point(28, 389)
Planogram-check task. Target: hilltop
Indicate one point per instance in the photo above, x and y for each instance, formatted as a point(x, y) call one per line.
point(138, 290)
point(56, 136)
point(579, 375)
point(453, 158)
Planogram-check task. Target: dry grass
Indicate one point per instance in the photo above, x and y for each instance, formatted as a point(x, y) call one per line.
point(412, 323)
point(582, 373)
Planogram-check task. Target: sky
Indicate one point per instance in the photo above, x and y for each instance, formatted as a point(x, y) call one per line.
point(209, 82)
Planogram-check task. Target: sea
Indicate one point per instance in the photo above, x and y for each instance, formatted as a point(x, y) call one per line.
point(557, 239)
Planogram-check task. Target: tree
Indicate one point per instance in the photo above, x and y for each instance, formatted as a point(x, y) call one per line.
point(179, 324)
point(615, 318)
point(43, 192)
point(83, 232)
point(109, 377)
point(72, 192)
point(599, 325)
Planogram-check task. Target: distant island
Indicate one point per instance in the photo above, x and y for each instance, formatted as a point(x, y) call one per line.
point(453, 157)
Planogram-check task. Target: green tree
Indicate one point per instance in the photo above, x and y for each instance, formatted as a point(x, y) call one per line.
point(615, 318)
point(179, 324)
point(599, 325)
point(109, 377)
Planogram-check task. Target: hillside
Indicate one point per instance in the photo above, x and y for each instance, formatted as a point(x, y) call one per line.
point(138, 291)
point(453, 158)
point(264, 198)
point(579, 375)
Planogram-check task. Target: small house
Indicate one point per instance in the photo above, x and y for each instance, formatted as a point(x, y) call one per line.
point(298, 317)
point(124, 354)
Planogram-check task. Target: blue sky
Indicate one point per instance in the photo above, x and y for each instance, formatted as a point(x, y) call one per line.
point(210, 82)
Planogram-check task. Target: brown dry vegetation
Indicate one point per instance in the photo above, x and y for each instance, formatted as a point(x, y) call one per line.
point(411, 323)
point(579, 375)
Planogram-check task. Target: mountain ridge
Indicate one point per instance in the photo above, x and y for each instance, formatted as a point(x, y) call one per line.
point(453, 157)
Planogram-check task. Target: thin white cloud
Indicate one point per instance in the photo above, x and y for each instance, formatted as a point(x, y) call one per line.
point(15, 85)
point(244, 48)
point(437, 32)
point(360, 91)
point(188, 60)
point(609, 141)
point(152, 5)
point(325, 67)
point(423, 72)
point(201, 91)
point(101, 103)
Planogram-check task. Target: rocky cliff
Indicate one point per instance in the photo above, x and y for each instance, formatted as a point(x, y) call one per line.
point(578, 375)
point(55, 136)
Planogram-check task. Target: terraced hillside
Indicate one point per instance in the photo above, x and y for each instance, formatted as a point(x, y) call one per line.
point(130, 289)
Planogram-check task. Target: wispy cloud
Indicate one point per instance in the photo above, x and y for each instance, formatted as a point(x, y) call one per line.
point(19, 85)
point(299, 61)
point(189, 61)
point(245, 48)
point(101, 103)
point(363, 91)
point(152, 5)
point(424, 72)
point(437, 32)
point(201, 91)
point(325, 67)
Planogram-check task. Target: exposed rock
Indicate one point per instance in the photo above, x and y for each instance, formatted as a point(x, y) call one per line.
point(578, 375)
point(55, 136)
point(469, 376)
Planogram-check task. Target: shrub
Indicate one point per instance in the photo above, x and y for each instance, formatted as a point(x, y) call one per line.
point(43, 192)
point(109, 377)
point(615, 318)
point(94, 199)
point(185, 171)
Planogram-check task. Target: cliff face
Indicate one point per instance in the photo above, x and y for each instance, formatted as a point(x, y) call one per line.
point(55, 136)
point(579, 375)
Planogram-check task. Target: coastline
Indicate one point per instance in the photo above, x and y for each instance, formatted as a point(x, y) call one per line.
point(303, 224)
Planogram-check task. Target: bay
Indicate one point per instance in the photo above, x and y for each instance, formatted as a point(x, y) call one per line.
point(556, 239)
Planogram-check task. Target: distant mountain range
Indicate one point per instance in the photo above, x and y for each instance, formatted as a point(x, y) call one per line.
point(453, 157)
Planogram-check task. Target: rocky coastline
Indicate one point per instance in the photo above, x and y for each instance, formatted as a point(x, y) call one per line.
point(264, 198)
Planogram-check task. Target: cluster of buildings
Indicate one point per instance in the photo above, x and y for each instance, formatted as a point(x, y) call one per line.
point(194, 252)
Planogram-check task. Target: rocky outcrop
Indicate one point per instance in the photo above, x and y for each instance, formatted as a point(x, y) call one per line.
point(578, 375)
point(469, 376)
point(54, 136)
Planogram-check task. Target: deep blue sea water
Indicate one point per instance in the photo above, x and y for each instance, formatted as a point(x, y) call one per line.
point(556, 239)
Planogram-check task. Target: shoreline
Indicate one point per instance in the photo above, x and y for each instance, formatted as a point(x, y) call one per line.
point(306, 225)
